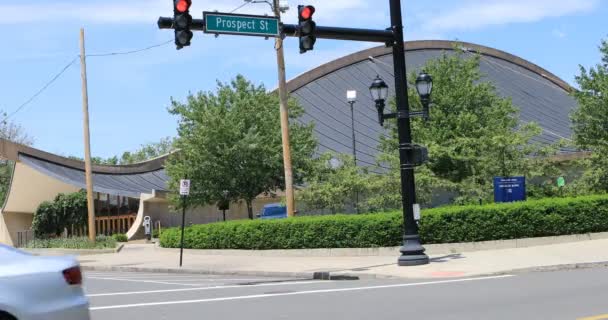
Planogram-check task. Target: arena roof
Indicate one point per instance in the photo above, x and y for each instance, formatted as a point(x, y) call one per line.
point(541, 96)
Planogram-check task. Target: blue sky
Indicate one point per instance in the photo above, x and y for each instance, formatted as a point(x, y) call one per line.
point(129, 94)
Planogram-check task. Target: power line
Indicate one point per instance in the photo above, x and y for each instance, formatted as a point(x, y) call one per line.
point(70, 64)
point(237, 8)
point(41, 90)
point(129, 52)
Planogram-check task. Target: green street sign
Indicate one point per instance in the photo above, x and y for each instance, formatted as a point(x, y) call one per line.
point(561, 182)
point(241, 24)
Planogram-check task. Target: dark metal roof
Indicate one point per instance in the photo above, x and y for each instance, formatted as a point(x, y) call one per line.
point(123, 184)
point(541, 96)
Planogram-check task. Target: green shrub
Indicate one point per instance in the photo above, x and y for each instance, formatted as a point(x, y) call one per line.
point(101, 242)
point(536, 218)
point(120, 237)
point(64, 212)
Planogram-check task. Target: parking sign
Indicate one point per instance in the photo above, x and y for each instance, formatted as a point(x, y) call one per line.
point(184, 187)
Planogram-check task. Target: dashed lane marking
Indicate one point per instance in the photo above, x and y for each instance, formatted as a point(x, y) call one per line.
point(258, 296)
point(206, 288)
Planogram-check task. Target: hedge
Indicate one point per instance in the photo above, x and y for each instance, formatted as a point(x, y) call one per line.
point(534, 218)
point(120, 237)
point(101, 242)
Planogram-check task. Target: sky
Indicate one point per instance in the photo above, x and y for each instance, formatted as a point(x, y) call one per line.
point(129, 94)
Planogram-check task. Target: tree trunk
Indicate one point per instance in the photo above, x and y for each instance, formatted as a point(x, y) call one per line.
point(249, 209)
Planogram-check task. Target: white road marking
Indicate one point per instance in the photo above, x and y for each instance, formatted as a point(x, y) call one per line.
point(206, 288)
point(256, 296)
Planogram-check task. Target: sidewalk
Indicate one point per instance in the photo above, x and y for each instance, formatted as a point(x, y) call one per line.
point(146, 257)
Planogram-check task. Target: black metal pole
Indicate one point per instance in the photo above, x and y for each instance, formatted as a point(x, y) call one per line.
point(224, 214)
point(412, 252)
point(352, 119)
point(181, 246)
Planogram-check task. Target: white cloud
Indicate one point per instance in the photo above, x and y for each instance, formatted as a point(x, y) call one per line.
point(558, 33)
point(478, 14)
point(146, 11)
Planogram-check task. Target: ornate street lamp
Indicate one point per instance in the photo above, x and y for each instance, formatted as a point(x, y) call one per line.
point(424, 86)
point(379, 92)
point(410, 155)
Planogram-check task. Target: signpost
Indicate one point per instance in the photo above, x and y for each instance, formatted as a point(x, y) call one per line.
point(509, 189)
point(184, 191)
point(241, 24)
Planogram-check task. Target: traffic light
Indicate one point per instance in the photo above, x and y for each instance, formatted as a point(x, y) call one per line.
point(307, 28)
point(182, 21)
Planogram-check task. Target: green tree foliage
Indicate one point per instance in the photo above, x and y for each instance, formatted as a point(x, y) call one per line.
point(231, 140)
point(65, 211)
point(472, 136)
point(145, 152)
point(590, 121)
point(333, 183)
point(148, 151)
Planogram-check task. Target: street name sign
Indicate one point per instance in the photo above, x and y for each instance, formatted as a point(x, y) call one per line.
point(241, 24)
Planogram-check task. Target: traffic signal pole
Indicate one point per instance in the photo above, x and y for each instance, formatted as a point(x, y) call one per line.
point(412, 252)
point(283, 101)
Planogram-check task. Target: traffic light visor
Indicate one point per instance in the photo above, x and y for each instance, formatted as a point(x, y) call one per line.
point(307, 12)
point(182, 5)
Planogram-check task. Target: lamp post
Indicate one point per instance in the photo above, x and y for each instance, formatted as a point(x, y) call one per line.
point(351, 97)
point(410, 155)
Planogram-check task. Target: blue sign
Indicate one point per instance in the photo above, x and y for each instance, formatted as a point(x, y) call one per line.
point(509, 189)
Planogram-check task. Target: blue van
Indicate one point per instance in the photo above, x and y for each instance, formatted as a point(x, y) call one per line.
point(273, 211)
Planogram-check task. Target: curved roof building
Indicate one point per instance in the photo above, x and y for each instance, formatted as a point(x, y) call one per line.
point(541, 96)
point(125, 194)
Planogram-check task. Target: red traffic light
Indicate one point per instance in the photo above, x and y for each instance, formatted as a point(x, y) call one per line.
point(307, 12)
point(182, 5)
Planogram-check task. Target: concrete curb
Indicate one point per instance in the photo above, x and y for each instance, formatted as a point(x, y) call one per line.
point(296, 275)
point(335, 275)
point(75, 252)
point(431, 249)
point(557, 267)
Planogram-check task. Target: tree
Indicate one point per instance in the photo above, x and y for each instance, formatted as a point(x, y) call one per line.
point(590, 120)
point(148, 151)
point(145, 152)
point(231, 140)
point(472, 136)
point(64, 212)
point(332, 183)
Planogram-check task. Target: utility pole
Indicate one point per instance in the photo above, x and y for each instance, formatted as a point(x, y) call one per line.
point(87, 139)
point(284, 118)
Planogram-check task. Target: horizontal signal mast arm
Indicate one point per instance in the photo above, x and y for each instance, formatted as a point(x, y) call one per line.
point(291, 30)
point(167, 23)
point(367, 35)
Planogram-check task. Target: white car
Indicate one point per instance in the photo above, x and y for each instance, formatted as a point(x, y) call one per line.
point(36, 288)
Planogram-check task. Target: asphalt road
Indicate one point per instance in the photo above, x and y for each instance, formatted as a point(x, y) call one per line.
point(572, 294)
